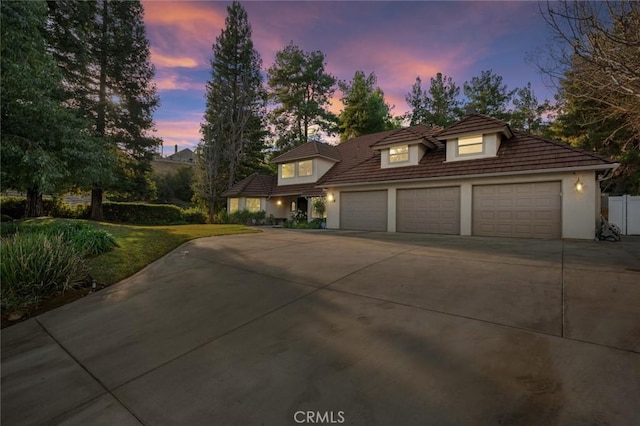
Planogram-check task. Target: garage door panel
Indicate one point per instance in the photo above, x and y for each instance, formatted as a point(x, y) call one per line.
point(531, 210)
point(363, 210)
point(428, 210)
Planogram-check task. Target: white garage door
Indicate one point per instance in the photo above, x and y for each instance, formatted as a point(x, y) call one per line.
point(530, 210)
point(363, 210)
point(429, 210)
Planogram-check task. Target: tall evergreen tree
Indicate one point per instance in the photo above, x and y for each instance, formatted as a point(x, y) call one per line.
point(487, 95)
point(365, 110)
point(527, 113)
point(302, 89)
point(233, 129)
point(438, 106)
point(43, 147)
point(102, 48)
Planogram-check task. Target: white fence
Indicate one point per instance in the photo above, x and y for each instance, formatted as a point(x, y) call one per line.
point(624, 211)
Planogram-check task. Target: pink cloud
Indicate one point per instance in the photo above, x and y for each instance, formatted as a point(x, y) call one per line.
point(182, 32)
point(172, 80)
point(184, 133)
point(166, 61)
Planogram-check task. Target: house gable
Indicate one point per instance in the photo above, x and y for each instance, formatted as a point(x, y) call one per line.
point(306, 163)
point(474, 137)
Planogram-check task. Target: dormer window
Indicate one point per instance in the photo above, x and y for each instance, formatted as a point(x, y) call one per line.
point(305, 168)
point(470, 145)
point(399, 154)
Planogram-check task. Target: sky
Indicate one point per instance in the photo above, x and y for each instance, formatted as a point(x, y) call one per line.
point(396, 40)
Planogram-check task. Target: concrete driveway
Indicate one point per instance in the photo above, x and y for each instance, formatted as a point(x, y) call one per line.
point(295, 327)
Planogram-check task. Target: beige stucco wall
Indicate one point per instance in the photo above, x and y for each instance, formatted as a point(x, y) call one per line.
point(579, 210)
point(491, 142)
point(416, 152)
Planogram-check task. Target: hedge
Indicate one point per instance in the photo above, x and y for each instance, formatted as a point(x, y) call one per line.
point(133, 213)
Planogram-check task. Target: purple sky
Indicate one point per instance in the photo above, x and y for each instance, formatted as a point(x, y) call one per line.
point(396, 40)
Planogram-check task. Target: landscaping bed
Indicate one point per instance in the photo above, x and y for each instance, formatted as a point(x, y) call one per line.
point(50, 262)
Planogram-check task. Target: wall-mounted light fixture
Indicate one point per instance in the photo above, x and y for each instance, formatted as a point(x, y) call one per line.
point(279, 202)
point(331, 198)
point(579, 185)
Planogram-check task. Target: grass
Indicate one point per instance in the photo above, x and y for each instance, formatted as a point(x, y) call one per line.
point(137, 247)
point(141, 245)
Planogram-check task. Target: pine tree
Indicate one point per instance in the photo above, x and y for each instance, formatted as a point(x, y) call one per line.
point(438, 106)
point(43, 144)
point(102, 48)
point(365, 110)
point(232, 133)
point(417, 101)
point(301, 88)
point(487, 95)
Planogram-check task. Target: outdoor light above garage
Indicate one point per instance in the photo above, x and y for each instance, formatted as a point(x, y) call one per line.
point(579, 185)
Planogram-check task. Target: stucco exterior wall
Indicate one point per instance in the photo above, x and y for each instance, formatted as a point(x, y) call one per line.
point(416, 152)
point(490, 141)
point(320, 167)
point(579, 209)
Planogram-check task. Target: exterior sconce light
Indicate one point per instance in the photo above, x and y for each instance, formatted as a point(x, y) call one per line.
point(331, 198)
point(579, 185)
point(279, 202)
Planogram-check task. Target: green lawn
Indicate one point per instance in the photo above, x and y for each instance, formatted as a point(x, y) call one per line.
point(141, 245)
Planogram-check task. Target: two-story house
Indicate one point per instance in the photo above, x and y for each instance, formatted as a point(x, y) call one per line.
point(476, 177)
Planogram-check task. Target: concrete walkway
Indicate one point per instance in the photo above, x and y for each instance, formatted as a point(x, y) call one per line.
point(368, 328)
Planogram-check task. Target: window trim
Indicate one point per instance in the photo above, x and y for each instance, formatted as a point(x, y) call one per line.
point(404, 154)
point(471, 141)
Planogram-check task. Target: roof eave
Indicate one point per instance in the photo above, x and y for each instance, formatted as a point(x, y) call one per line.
point(476, 175)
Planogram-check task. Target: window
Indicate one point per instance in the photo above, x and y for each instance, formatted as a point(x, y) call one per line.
point(305, 168)
point(253, 204)
point(233, 205)
point(288, 170)
point(470, 145)
point(398, 154)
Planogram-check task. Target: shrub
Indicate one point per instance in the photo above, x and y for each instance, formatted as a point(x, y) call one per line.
point(13, 206)
point(68, 211)
point(83, 237)
point(36, 266)
point(142, 214)
point(245, 217)
point(194, 215)
point(5, 218)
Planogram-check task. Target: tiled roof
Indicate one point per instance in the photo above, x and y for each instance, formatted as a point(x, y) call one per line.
point(523, 152)
point(410, 134)
point(302, 189)
point(309, 150)
point(256, 185)
point(473, 123)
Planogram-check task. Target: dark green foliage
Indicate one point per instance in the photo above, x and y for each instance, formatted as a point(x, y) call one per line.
point(44, 146)
point(5, 218)
point(175, 187)
point(439, 106)
point(194, 215)
point(245, 217)
point(301, 89)
point(527, 112)
point(142, 214)
point(83, 237)
point(103, 50)
point(36, 266)
point(233, 130)
point(487, 95)
point(15, 207)
point(365, 110)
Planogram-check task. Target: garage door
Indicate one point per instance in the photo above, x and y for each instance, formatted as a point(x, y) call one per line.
point(429, 210)
point(363, 210)
point(530, 210)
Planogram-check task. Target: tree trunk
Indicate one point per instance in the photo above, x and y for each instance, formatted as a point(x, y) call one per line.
point(35, 205)
point(96, 204)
